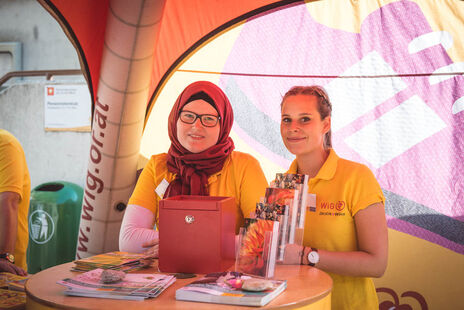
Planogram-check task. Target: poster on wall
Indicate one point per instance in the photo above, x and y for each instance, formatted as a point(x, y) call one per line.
point(67, 108)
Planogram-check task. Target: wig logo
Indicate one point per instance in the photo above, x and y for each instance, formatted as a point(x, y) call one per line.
point(333, 208)
point(41, 227)
point(339, 205)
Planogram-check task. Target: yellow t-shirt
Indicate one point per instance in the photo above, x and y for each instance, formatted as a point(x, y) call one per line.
point(14, 177)
point(342, 188)
point(241, 177)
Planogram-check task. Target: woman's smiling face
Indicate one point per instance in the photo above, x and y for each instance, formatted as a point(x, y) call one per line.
point(301, 126)
point(195, 137)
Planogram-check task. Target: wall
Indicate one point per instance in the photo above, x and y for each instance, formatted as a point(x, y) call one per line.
point(50, 156)
point(44, 44)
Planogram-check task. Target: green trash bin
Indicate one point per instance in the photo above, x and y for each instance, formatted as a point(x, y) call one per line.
point(54, 215)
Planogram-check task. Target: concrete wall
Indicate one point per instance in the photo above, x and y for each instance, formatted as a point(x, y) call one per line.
point(51, 156)
point(44, 44)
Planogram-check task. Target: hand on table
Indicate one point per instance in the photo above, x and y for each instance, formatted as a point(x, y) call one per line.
point(153, 247)
point(9, 267)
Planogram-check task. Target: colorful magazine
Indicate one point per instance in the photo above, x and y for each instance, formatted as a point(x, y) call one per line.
point(12, 281)
point(280, 213)
point(229, 288)
point(133, 286)
point(113, 260)
point(12, 299)
point(273, 212)
point(290, 198)
point(299, 182)
point(258, 242)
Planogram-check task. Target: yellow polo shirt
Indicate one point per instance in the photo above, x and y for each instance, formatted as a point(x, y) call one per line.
point(241, 177)
point(14, 177)
point(342, 188)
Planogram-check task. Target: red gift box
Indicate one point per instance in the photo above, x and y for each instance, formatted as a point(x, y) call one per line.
point(196, 234)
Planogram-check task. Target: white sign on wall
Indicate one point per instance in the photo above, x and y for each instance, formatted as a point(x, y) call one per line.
point(67, 108)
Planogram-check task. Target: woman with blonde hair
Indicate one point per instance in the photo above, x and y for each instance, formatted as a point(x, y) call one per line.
point(346, 236)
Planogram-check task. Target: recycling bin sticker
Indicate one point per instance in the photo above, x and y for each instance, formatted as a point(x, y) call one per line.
point(41, 227)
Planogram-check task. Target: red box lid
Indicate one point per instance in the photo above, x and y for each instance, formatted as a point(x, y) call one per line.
point(187, 202)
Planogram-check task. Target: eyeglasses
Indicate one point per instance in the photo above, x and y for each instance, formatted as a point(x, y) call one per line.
point(207, 120)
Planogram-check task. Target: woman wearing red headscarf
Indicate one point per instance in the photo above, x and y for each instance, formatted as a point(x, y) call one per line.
point(200, 161)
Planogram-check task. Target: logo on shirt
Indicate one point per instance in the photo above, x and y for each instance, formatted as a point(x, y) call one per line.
point(333, 208)
point(41, 226)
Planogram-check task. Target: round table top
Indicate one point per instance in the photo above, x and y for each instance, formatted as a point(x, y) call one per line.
point(305, 285)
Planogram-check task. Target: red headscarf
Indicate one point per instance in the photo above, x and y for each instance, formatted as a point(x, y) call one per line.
point(193, 169)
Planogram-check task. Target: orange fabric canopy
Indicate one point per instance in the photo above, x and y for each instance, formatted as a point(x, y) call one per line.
point(184, 25)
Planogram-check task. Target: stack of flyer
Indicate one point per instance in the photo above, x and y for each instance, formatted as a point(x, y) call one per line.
point(132, 286)
point(258, 243)
point(279, 220)
point(113, 260)
point(12, 282)
point(12, 299)
point(291, 192)
point(298, 183)
point(232, 288)
point(12, 295)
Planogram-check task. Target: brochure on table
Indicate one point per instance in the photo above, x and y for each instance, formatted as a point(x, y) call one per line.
point(232, 288)
point(279, 220)
point(132, 286)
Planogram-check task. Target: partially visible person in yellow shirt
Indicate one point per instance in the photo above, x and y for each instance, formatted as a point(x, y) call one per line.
point(15, 190)
point(346, 235)
point(200, 161)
